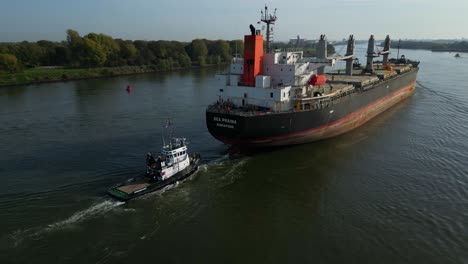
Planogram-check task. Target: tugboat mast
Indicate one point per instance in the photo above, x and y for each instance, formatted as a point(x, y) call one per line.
point(268, 19)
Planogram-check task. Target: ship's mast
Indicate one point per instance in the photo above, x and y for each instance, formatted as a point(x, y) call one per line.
point(398, 53)
point(370, 55)
point(386, 51)
point(350, 55)
point(268, 20)
point(322, 52)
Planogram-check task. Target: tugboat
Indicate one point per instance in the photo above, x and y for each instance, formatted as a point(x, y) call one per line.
point(172, 165)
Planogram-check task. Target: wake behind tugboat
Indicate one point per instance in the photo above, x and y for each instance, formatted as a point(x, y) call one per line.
point(174, 164)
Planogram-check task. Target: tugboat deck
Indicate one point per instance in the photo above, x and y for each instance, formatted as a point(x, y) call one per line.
point(128, 189)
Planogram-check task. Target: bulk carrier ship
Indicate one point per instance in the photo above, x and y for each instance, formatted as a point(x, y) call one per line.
point(277, 98)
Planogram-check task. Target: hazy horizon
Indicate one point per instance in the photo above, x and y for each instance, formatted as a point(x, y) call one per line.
point(187, 20)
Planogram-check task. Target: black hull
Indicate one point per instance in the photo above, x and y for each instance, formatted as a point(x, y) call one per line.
point(286, 128)
point(154, 186)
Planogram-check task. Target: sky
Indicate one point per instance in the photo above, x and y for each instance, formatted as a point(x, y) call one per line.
point(185, 20)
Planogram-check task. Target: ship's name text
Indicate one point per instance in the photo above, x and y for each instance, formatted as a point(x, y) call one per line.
point(224, 125)
point(225, 120)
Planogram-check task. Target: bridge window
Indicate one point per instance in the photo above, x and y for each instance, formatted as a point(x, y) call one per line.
point(271, 95)
point(221, 90)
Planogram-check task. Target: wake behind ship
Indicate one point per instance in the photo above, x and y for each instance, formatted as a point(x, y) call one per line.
point(283, 98)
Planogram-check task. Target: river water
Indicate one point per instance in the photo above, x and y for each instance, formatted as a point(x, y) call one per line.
point(392, 191)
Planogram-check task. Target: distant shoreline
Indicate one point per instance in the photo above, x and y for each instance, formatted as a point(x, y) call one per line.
point(450, 50)
point(432, 46)
point(435, 50)
point(51, 75)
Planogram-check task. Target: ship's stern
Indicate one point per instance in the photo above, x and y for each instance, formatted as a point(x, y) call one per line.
point(226, 126)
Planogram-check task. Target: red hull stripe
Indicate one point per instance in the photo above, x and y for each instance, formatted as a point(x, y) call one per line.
point(342, 125)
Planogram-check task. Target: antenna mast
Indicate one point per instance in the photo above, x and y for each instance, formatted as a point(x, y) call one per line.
point(268, 20)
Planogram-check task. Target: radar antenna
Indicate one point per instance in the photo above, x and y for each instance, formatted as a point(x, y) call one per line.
point(268, 19)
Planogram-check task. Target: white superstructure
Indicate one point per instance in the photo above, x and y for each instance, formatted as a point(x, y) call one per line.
point(174, 158)
point(284, 75)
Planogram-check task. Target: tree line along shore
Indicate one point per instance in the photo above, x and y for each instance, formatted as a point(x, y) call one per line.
point(99, 55)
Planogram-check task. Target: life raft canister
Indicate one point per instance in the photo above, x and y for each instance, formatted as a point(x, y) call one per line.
point(318, 79)
point(388, 68)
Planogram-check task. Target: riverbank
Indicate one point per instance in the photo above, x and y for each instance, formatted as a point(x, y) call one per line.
point(41, 75)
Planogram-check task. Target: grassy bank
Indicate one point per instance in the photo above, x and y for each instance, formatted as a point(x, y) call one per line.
point(31, 76)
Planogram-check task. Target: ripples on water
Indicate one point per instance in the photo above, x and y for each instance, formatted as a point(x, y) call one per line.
point(394, 190)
